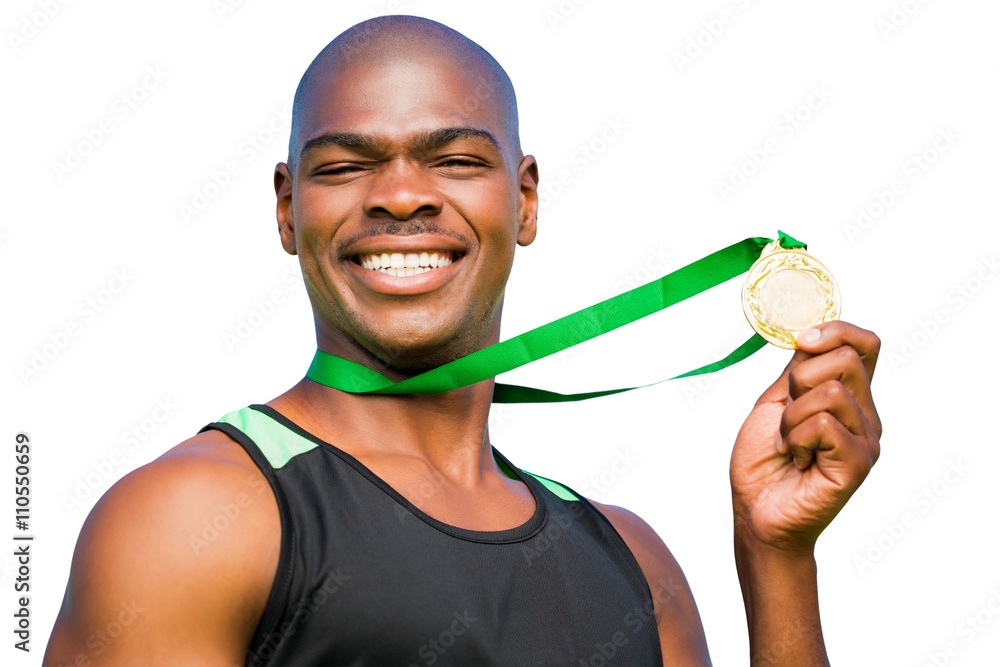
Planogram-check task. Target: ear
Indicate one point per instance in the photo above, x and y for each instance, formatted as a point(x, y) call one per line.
point(286, 222)
point(527, 205)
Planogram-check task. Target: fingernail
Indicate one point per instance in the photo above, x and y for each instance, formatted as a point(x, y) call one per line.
point(809, 336)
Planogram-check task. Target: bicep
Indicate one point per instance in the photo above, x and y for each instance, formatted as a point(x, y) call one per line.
point(682, 636)
point(150, 585)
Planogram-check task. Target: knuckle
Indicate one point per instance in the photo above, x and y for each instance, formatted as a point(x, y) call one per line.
point(835, 389)
point(824, 421)
point(847, 354)
point(794, 380)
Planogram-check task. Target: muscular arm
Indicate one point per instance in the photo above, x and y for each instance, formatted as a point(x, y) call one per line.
point(173, 566)
point(782, 607)
point(806, 447)
point(682, 637)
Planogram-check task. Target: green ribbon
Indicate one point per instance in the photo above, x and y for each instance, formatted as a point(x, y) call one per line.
point(573, 329)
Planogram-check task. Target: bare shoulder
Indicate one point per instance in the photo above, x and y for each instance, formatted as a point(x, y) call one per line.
point(174, 564)
point(682, 636)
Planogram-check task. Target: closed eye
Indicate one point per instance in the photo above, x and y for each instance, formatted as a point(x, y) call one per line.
point(338, 169)
point(461, 163)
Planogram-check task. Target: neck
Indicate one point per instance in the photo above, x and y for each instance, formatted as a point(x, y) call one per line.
point(433, 448)
point(448, 431)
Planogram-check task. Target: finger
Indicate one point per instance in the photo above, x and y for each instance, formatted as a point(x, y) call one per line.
point(831, 335)
point(824, 338)
point(778, 391)
point(831, 397)
point(843, 457)
point(843, 365)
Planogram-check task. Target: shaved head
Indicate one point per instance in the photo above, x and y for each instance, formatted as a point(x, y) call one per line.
point(393, 39)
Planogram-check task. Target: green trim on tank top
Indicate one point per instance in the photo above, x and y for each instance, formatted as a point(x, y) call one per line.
point(280, 444)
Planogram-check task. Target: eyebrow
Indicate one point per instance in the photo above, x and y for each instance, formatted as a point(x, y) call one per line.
point(425, 140)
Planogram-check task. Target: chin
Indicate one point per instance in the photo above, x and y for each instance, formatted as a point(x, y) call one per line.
point(413, 352)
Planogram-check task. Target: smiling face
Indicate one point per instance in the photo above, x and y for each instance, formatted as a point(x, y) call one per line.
point(404, 201)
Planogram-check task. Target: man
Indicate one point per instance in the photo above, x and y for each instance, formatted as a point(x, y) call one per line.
point(329, 528)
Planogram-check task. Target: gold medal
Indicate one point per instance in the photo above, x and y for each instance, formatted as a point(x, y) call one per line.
point(787, 291)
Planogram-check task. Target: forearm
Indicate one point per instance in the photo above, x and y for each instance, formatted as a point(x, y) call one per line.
point(782, 605)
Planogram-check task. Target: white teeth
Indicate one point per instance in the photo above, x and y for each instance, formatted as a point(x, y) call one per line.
point(405, 264)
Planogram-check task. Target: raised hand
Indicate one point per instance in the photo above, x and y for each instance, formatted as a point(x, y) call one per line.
point(809, 441)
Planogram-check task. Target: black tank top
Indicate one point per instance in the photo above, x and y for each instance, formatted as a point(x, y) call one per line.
point(366, 579)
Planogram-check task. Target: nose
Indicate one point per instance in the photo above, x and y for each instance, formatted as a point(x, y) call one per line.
point(402, 190)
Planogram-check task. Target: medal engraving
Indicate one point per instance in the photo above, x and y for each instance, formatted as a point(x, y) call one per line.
point(786, 291)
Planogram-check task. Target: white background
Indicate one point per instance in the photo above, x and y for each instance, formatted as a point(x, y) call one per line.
point(644, 203)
